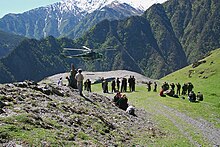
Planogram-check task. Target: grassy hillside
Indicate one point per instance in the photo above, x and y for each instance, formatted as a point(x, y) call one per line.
point(205, 78)
point(185, 123)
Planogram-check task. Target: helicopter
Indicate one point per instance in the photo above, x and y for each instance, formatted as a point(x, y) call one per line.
point(88, 54)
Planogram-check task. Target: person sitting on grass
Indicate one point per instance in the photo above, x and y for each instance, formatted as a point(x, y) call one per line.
point(123, 102)
point(116, 98)
point(130, 110)
point(161, 93)
point(169, 92)
point(192, 96)
point(199, 96)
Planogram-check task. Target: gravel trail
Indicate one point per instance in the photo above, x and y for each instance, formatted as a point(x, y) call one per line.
point(187, 125)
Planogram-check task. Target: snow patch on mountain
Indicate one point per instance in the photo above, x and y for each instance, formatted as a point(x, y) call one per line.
point(89, 6)
point(80, 6)
point(142, 4)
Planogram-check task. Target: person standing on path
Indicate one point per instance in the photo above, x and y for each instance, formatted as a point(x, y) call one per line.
point(79, 78)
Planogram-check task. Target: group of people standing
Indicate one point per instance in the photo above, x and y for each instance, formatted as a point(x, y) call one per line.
point(149, 86)
point(76, 78)
point(187, 89)
point(119, 86)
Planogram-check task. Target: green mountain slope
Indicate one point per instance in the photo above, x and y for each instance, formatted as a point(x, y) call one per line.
point(8, 42)
point(33, 60)
point(167, 37)
point(204, 77)
point(116, 13)
point(137, 48)
point(196, 24)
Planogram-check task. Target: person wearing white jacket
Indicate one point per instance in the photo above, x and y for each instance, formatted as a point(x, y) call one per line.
point(79, 78)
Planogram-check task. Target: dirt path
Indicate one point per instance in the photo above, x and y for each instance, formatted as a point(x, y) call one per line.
point(189, 126)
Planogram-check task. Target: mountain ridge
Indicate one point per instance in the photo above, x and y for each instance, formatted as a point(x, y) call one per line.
point(150, 44)
point(60, 18)
point(8, 42)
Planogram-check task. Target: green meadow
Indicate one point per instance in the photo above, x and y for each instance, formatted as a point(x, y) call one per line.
point(174, 115)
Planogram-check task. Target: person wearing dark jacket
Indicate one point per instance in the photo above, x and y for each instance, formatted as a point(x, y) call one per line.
point(184, 89)
point(105, 86)
point(178, 86)
point(113, 86)
point(192, 96)
point(87, 85)
point(199, 96)
point(190, 87)
point(133, 83)
point(124, 85)
point(118, 84)
point(130, 83)
point(71, 79)
point(123, 102)
point(155, 87)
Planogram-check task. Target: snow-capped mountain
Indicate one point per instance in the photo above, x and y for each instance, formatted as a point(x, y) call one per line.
point(90, 6)
point(142, 4)
point(65, 17)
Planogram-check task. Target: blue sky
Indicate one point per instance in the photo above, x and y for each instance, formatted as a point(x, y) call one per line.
point(20, 6)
